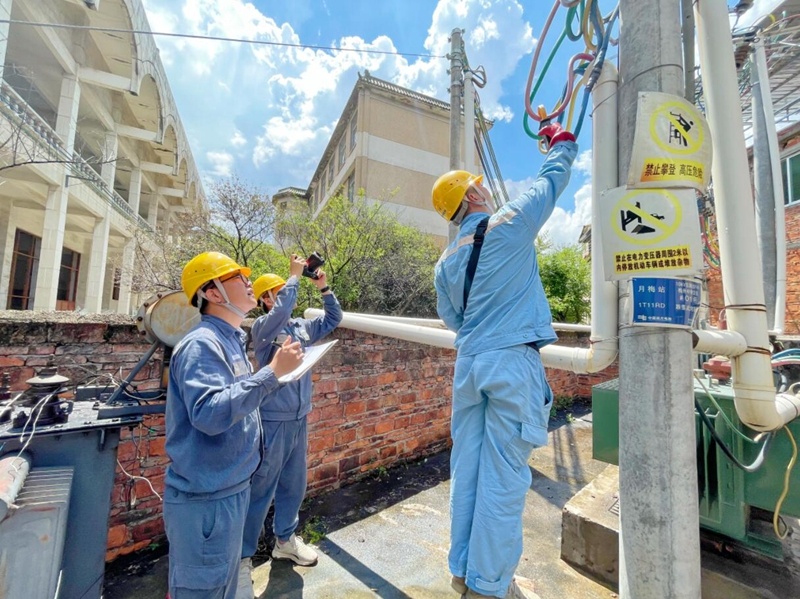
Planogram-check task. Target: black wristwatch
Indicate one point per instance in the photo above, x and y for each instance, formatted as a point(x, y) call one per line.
point(325, 289)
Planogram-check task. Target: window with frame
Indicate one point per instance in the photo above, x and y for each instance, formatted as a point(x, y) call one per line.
point(351, 188)
point(790, 172)
point(115, 289)
point(331, 166)
point(24, 269)
point(342, 151)
point(324, 183)
point(68, 280)
point(353, 126)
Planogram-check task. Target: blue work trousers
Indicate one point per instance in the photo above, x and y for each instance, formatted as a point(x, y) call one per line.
point(282, 477)
point(501, 404)
point(205, 536)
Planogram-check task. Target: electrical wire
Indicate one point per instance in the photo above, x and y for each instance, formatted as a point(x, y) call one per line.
point(596, 32)
point(757, 462)
point(135, 477)
point(787, 475)
point(713, 400)
point(212, 38)
point(41, 405)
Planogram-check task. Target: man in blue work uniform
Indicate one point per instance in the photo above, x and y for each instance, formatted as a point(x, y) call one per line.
point(501, 398)
point(213, 432)
point(283, 473)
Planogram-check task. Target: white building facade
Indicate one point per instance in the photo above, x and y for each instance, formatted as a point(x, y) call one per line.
point(93, 156)
point(391, 143)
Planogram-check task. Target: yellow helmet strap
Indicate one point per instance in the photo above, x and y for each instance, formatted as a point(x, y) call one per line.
point(271, 294)
point(484, 201)
point(226, 304)
point(460, 213)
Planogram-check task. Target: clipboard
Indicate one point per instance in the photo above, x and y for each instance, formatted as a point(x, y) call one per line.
point(311, 356)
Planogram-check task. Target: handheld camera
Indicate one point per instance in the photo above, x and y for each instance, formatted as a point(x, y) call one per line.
point(313, 262)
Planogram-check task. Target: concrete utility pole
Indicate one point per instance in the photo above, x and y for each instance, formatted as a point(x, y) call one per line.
point(659, 523)
point(687, 35)
point(456, 57)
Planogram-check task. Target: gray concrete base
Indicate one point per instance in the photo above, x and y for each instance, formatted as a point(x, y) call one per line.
point(590, 528)
point(590, 543)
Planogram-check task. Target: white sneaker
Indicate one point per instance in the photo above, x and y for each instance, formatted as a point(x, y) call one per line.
point(521, 588)
point(244, 585)
point(515, 591)
point(294, 549)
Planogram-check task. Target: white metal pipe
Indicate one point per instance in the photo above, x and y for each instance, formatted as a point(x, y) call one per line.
point(753, 386)
point(603, 339)
point(13, 472)
point(720, 342)
point(438, 323)
point(422, 322)
point(407, 332)
point(777, 187)
point(553, 356)
point(711, 341)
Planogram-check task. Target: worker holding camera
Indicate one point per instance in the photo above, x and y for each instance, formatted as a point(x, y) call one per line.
point(501, 398)
point(282, 475)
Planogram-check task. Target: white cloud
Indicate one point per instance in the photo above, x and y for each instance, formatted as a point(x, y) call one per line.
point(564, 227)
point(583, 163)
point(238, 140)
point(286, 100)
point(221, 163)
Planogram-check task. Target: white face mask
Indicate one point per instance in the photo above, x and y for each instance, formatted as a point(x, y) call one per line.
point(483, 193)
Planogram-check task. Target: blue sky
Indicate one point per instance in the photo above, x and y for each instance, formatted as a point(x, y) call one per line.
point(267, 112)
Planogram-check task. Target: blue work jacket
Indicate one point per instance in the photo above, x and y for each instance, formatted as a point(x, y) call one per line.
point(506, 305)
point(291, 401)
point(213, 433)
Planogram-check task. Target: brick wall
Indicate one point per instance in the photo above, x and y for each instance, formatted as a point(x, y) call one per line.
point(792, 316)
point(377, 401)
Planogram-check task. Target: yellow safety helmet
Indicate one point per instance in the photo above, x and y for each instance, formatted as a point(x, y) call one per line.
point(267, 282)
point(206, 267)
point(450, 189)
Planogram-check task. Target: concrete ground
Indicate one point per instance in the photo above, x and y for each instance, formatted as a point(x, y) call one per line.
point(387, 536)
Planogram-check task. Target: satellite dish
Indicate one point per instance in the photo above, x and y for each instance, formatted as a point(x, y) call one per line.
point(167, 317)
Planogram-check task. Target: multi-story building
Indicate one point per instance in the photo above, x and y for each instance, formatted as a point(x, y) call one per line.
point(390, 143)
point(93, 156)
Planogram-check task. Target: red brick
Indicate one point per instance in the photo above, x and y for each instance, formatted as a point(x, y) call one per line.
point(157, 446)
point(344, 437)
point(384, 427)
point(355, 407)
point(347, 384)
point(117, 536)
point(325, 386)
point(14, 350)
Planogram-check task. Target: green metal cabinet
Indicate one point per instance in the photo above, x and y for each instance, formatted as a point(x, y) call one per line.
point(727, 493)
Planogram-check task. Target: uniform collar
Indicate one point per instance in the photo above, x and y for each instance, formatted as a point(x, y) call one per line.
point(223, 327)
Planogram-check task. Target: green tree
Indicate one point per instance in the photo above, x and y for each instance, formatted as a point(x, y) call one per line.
point(566, 278)
point(376, 264)
point(241, 219)
point(238, 220)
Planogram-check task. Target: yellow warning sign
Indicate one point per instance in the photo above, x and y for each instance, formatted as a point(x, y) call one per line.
point(648, 225)
point(650, 232)
point(676, 128)
point(665, 259)
point(672, 144)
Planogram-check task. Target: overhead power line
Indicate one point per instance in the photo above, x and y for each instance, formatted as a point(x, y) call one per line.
point(213, 38)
